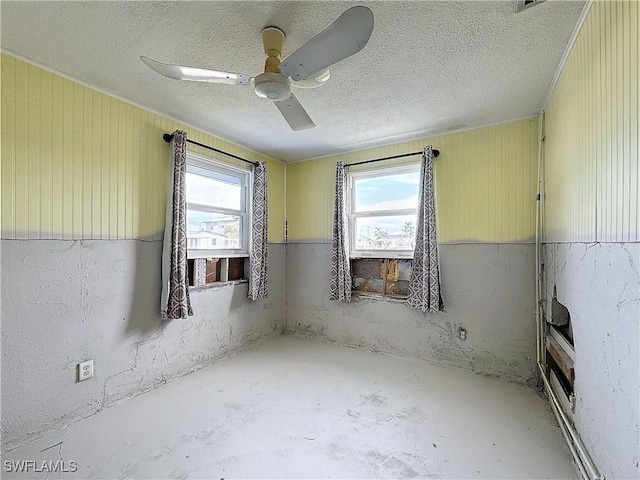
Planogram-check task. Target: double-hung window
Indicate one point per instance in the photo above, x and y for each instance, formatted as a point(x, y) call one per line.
point(383, 207)
point(218, 220)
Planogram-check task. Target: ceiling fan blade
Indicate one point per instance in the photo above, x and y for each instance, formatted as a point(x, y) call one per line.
point(344, 37)
point(295, 115)
point(178, 72)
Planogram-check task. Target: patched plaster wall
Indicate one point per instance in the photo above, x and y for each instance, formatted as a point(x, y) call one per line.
point(67, 301)
point(600, 285)
point(489, 290)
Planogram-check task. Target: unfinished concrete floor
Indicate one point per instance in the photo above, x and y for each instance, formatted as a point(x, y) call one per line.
point(296, 408)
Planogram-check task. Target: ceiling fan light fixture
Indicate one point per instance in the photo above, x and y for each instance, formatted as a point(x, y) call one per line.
point(272, 86)
point(316, 80)
point(323, 76)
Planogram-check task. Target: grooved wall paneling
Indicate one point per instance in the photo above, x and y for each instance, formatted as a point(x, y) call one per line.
point(485, 185)
point(591, 146)
point(79, 164)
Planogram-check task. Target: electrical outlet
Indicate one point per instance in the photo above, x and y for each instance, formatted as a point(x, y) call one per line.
point(85, 370)
point(462, 333)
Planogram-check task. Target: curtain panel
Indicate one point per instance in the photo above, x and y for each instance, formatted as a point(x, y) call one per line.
point(424, 285)
point(175, 301)
point(259, 239)
point(340, 274)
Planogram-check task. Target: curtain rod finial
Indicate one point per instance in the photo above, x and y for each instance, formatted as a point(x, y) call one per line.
point(436, 153)
point(167, 137)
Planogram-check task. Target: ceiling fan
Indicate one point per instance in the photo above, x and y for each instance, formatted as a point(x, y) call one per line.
point(305, 68)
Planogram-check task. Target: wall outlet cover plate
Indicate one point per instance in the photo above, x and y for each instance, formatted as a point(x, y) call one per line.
point(85, 370)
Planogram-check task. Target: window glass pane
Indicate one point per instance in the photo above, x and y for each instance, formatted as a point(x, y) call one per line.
point(393, 191)
point(385, 233)
point(214, 189)
point(210, 231)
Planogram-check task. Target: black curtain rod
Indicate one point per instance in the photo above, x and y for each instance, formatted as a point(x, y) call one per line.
point(436, 154)
point(167, 138)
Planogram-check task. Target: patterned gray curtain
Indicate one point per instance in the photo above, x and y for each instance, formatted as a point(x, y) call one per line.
point(340, 276)
point(424, 285)
point(175, 302)
point(258, 271)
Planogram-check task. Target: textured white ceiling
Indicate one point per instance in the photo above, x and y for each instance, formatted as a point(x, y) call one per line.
point(429, 67)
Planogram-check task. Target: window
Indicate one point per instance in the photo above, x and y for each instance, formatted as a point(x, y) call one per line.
point(217, 209)
point(218, 221)
point(383, 207)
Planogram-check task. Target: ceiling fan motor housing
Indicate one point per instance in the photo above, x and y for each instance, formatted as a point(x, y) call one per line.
point(273, 86)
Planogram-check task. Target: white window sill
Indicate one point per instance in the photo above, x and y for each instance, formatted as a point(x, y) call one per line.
point(215, 285)
point(381, 256)
point(218, 254)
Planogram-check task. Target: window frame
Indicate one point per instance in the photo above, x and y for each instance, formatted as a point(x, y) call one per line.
point(246, 179)
point(353, 215)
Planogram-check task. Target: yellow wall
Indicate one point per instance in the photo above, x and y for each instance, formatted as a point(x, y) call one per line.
point(485, 185)
point(591, 146)
point(79, 164)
